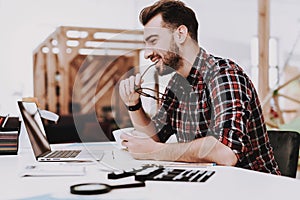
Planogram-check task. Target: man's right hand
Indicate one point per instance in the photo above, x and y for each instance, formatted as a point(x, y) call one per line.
point(140, 120)
point(127, 90)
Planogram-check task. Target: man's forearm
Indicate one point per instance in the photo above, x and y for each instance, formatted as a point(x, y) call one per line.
point(207, 149)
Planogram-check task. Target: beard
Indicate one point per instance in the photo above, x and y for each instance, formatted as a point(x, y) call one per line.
point(172, 61)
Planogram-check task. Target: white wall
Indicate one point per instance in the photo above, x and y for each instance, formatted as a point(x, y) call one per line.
point(226, 28)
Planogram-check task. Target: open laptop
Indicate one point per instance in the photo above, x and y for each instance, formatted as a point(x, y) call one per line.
point(38, 139)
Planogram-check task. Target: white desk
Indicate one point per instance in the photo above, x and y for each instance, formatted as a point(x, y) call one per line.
point(227, 183)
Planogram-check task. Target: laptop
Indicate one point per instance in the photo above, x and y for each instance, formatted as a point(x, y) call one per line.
point(32, 120)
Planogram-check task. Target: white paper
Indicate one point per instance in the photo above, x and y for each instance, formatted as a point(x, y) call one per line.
point(46, 114)
point(53, 170)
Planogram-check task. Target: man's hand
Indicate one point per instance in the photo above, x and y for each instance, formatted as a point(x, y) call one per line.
point(127, 90)
point(140, 145)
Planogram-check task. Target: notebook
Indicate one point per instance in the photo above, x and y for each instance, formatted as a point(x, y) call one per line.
point(37, 136)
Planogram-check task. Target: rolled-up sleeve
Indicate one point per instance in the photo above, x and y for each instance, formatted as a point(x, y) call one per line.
point(230, 97)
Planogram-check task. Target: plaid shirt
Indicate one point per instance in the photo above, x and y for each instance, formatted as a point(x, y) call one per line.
point(217, 98)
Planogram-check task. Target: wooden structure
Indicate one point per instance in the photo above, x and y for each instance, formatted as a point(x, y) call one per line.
point(272, 96)
point(80, 66)
point(277, 112)
point(263, 44)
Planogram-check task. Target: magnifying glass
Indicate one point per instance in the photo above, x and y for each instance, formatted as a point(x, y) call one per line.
point(100, 188)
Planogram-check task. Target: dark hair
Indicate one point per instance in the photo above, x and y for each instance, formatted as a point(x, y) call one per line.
point(174, 13)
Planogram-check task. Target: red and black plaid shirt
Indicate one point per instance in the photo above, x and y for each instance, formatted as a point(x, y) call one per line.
point(219, 99)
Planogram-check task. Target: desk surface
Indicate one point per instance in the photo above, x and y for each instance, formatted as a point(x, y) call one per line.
point(227, 183)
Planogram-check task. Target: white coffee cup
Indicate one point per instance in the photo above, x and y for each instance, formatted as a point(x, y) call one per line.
point(130, 131)
point(117, 133)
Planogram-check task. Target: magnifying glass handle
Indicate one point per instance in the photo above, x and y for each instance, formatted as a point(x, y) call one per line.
point(140, 184)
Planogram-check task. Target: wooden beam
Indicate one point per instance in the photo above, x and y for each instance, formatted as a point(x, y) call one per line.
point(90, 71)
point(112, 48)
point(88, 91)
point(64, 69)
point(39, 69)
point(89, 105)
point(263, 45)
point(51, 68)
point(117, 41)
point(105, 30)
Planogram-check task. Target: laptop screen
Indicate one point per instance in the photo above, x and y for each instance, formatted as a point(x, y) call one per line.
point(34, 127)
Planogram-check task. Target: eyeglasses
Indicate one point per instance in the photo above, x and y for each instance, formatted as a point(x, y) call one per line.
point(145, 94)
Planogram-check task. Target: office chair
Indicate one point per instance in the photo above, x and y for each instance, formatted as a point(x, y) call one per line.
point(285, 146)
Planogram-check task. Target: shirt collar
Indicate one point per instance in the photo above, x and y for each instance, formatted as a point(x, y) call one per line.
point(199, 67)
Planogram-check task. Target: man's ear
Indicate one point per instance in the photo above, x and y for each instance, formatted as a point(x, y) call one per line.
point(181, 34)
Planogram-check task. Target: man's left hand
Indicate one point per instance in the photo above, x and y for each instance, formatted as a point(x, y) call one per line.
point(139, 145)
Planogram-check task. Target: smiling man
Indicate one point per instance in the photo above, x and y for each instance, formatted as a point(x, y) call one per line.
point(212, 106)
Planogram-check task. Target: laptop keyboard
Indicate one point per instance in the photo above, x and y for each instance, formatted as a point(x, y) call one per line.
point(64, 154)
